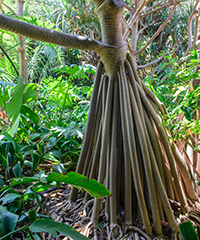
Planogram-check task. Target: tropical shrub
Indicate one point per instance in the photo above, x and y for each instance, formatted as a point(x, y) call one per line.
point(45, 122)
point(172, 85)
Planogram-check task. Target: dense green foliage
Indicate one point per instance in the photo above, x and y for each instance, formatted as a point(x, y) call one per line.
point(172, 85)
point(43, 133)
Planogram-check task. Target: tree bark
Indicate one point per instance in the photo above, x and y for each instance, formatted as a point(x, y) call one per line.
point(47, 35)
point(23, 61)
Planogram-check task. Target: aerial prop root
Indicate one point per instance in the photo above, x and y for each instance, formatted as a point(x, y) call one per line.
point(122, 110)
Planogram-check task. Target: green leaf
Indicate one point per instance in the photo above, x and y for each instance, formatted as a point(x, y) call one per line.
point(29, 114)
point(8, 221)
point(50, 157)
point(40, 187)
point(15, 124)
point(14, 106)
point(79, 181)
point(58, 167)
point(11, 139)
point(11, 233)
point(32, 215)
point(187, 231)
point(198, 231)
point(9, 197)
point(30, 92)
point(4, 162)
point(17, 169)
point(51, 227)
point(18, 181)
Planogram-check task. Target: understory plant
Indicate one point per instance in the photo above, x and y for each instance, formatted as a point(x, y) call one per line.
point(44, 124)
point(177, 87)
point(42, 130)
point(20, 196)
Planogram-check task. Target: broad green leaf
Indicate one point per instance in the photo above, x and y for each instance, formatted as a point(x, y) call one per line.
point(40, 187)
point(44, 226)
point(17, 169)
point(58, 167)
point(187, 231)
point(30, 92)
point(36, 237)
point(15, 124)
point(15, 231)
point(94, 188)
point(1, 183)
point(14, 106)
point(50, 157)
point(198, 231)
point(36, 160)
point(11, 139)
point(3, 162)
point(8, 221)
point(29, 114)
point(32, 215)
point(9, 197)
point(18, 181)
point(50, 226)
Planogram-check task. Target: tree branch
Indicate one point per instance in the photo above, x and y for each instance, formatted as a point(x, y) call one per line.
point(145, 27)
point(159, 30)
point(157, 9)
point(9, 8)
point(151, 63)
point(171, 50)
point(196, 30)
point(194, 12)
point(134, 18)
point(47, 35)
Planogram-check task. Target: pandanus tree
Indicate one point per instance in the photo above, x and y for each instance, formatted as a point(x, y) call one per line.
point(125, 145)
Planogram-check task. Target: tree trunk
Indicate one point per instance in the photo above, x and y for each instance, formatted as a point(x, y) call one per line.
point(23, 63)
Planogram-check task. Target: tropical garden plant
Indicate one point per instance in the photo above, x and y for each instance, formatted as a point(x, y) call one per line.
point(125, 145)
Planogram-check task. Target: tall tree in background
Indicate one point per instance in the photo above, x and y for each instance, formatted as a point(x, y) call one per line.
point(23, 63)
point(125, 146)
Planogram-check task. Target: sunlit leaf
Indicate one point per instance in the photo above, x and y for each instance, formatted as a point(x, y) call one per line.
point(94, 188)
point(29, 114)
point(30, 92)
point(14, 106)
point(52, 227)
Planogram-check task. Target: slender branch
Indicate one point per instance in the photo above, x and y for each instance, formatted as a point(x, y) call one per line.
point(2, 49)
point(194, 12)
point(47, 35)
point(145, 27)
point(196, 30)
point(9, 8)
point(172, 49)
point(153, 62)
point(128, 8)
point(1, 2)
point(155, 10)
point(155, 6)
point(159, 30)
point(135, 17)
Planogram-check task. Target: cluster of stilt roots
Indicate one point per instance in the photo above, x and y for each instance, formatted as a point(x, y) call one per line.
point(127, 149)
